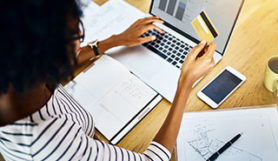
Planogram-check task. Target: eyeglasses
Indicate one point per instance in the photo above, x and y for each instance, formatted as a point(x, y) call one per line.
point(81, 33)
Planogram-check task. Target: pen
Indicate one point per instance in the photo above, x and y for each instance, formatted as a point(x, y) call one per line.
point(223, 148)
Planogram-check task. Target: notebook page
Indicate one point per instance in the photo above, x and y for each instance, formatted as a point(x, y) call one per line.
point(111, 94)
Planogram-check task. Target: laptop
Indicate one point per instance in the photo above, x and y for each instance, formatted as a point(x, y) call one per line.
point(158, 63)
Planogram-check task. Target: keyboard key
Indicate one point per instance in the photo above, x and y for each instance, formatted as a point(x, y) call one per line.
point(185, 52)
point(169, 60)
point(145, 44)
point(157, 52)
point(168, 47)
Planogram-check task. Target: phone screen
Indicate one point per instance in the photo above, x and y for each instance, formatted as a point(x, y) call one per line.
point(221, 86)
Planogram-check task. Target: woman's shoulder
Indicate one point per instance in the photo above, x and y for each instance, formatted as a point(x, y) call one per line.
point(60, 111)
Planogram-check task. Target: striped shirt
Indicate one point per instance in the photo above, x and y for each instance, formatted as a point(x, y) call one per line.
point(63, 130)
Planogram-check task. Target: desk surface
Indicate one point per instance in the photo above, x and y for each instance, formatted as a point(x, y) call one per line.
point(254, 40)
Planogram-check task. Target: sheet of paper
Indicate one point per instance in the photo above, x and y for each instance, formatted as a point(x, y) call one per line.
point(111, 94)
point(113, 17)
point(88, 5)
point(202, 134)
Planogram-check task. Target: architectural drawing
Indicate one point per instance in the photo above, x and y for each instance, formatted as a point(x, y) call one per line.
point(205, 144)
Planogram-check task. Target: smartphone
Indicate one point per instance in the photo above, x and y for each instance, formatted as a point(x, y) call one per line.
point(221, 87)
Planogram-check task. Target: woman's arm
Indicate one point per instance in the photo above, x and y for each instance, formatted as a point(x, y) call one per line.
point(194, 67)
point(130, 37)
point(198, 63)
point(86, 53)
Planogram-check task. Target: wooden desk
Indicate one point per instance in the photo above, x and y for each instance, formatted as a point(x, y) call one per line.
point(254, 40)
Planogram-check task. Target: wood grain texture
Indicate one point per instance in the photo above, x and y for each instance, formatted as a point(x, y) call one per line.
point(253, 42)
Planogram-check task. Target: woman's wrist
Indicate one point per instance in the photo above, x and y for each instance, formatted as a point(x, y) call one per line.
point(107, 44)
point(185, 81)
point(87, 53)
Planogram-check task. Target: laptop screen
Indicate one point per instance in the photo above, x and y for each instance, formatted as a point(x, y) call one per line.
point(180, 13)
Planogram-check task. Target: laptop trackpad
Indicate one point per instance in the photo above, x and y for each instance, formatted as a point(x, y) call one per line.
point(150, 68)
point(138, 60)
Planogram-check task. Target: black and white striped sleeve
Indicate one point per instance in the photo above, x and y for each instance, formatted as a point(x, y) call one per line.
point(65, 140)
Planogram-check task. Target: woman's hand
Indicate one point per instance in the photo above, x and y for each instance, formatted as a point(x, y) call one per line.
point(130, 37)
point(198, 63)
point(133, 35)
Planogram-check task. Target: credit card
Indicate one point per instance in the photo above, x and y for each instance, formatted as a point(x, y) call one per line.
point(204, 27)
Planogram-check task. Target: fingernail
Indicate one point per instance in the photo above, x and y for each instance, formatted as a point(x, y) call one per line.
point(153, 37)
point(203, 42)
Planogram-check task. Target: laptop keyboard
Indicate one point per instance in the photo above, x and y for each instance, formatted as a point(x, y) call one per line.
point(168, 47)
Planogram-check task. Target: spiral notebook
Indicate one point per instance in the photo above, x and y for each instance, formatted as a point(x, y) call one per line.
point(116, 98)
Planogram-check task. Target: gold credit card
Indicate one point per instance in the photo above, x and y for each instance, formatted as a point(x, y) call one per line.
point(204, 27)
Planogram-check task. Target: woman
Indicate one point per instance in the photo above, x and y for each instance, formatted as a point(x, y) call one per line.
point(39, 120)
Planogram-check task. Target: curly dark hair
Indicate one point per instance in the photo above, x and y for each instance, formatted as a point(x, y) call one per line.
point(34, 36)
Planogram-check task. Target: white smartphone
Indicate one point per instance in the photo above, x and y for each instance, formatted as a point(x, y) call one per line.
point(218, 90)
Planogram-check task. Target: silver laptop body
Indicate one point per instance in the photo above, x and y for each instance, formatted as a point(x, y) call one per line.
point(152, 65)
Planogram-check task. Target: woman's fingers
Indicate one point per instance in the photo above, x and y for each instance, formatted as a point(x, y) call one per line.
point(147, 18)
point(146, 22)
point(208, 55)
point(147, 39)
point(197, 49)
point(150, 20)
point(211, 49)
point(150, 27)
